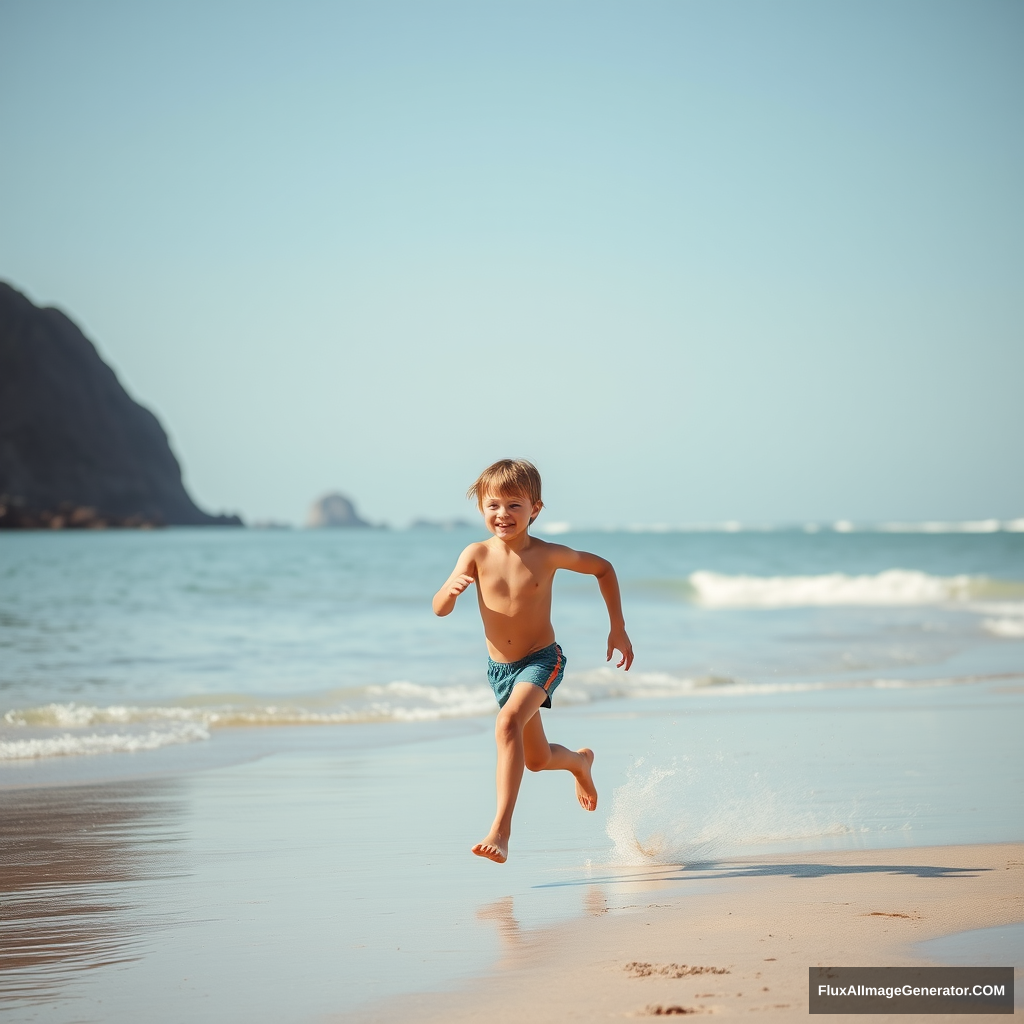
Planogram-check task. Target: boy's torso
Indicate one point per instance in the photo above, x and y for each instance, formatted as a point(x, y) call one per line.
point(514, 593)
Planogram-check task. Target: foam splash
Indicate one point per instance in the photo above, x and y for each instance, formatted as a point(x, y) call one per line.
point(685, 813)
point(892, 587)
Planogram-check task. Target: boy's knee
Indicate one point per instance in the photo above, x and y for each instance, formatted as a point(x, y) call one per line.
point(506, 727)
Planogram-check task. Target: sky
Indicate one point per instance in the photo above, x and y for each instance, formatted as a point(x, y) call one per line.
point(700, 260)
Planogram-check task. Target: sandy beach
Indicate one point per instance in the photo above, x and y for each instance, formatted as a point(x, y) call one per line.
point(735, 938)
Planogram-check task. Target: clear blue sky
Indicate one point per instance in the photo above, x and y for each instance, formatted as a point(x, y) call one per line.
point(699, 260)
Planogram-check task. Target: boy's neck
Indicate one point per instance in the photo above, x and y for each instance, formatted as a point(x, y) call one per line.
point(517, 543)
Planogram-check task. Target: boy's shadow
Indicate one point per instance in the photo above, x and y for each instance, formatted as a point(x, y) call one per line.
point(718, 870)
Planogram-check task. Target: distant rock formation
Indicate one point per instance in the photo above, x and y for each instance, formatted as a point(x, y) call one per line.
point(334, 510)
point(75, 449)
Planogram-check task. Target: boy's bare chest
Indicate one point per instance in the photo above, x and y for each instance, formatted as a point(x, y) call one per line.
point(513, 581)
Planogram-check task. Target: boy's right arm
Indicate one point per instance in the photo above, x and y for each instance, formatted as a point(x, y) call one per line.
point(462, 576)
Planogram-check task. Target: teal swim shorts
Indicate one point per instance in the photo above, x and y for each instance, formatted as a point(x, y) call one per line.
point(543, 668)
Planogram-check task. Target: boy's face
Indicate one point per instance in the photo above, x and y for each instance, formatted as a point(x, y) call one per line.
point(508, 515)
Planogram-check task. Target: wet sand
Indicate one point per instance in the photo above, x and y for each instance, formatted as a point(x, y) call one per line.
point(733, 939)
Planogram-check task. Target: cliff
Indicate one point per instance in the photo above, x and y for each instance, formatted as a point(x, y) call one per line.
point(75, 448)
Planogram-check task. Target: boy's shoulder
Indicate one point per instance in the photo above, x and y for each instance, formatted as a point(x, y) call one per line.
point(471, 552)
point(549, 552)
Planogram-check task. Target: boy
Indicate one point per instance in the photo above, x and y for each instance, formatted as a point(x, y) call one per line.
point(513, 572)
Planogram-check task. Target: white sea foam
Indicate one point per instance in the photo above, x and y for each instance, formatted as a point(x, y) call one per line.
point(68, 744)
point(553, 528)
point(933, 526)
point(892, 587)
point(70, 728)
point(937, 526)
point(1011, 629)
point(396, 702)
point(1005, 618)
point(728, 526)
point(963, 526)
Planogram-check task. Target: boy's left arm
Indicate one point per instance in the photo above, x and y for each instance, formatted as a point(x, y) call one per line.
point(594, 565)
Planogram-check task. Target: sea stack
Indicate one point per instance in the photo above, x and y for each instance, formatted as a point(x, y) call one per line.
point(76, 450)
point(334, 510)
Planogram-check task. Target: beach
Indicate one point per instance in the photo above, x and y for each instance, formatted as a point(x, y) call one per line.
point(257, 802)
point(736, 938)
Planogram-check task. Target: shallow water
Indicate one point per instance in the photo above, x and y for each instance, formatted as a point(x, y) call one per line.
point(1002, 946)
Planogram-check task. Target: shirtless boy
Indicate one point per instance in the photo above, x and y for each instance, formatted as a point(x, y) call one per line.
point(513, 573)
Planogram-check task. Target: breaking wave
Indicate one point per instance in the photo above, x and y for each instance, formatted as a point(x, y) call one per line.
point(67, 744)
point(1009, 628)
point(892, 587)
point(933, 526)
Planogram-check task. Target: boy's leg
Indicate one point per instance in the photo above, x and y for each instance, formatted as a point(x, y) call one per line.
point(522, 705)
point(542, 756)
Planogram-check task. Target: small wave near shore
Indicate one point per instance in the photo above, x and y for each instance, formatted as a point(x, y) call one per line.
point(72, 729)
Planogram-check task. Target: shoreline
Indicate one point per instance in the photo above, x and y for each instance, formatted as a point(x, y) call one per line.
point(237, 745)
point(731, 938)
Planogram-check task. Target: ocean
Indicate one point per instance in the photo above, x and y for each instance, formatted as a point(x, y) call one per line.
point(129, 641)
point(262, 743)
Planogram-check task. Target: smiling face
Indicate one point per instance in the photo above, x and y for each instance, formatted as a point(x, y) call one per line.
point(508, 516)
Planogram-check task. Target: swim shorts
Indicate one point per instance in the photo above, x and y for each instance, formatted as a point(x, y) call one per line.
point(543, 668)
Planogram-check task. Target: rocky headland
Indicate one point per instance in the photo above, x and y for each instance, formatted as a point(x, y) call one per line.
point(334, 510)
point(76, 450)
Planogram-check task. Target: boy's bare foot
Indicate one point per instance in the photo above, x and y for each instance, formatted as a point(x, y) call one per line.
point(494, 847)
point(586, 791)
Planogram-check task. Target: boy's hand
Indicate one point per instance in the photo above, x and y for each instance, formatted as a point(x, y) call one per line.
point(618, 641)
point(459, 585)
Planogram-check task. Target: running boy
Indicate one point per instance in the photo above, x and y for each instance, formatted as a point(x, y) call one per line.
point(513, 572)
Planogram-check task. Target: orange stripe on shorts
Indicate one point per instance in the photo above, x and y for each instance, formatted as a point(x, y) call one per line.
point(554, 671)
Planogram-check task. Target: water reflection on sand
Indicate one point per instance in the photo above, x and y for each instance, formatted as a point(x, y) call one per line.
point(71, 858)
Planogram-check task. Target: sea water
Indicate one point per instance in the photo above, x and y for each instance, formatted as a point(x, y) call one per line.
point(241, 769)
point(132, 641)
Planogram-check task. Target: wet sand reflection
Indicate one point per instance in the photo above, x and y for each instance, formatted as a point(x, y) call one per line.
point(69, 861)
point(501, 912)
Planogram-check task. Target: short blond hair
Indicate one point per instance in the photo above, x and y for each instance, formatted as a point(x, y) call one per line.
point(507, 477)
